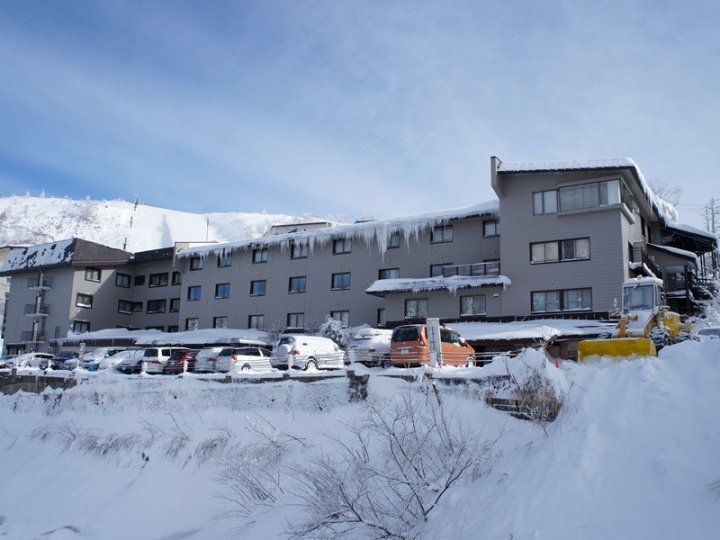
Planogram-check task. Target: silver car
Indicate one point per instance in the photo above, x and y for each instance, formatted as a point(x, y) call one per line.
point(244, 359)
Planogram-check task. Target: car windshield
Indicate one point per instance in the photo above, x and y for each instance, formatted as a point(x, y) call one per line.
point(406, 333)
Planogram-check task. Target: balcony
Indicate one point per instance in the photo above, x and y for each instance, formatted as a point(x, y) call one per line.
point(40, 283)
point(34, 310)
point(475, 269)
point(27, 337)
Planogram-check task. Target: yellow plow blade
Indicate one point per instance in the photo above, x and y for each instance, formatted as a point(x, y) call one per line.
point(616, 347)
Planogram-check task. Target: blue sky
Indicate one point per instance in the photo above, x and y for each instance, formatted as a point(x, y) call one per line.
point(350, 108)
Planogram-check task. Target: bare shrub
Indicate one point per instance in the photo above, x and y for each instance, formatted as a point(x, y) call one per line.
point(250, 475)
point(177, 442)
point(390, 474)
point(538, 400)
point(531, 398)
point(213, 446)
point(111, 444)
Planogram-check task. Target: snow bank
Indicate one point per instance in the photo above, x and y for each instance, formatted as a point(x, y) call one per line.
point(632, 455)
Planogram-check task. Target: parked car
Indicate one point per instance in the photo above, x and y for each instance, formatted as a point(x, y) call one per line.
point(410, 346)
point(58, 361)
point(155, 358)
point(370, 346)
point(91, 360)
point(244, 359)
point(31, 359)
point(180, 361)
point(205, 359)
point(129, 361)
point(307, 352)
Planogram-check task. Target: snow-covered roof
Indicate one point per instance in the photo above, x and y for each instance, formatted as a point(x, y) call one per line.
point(683, 253)
point(692, 230)
point(150, 337)
point(370, 231)
point(642, 280)
point(210, 335)
point(539, 329)
point(381, 287)
point(664, 209)
point(51, 254)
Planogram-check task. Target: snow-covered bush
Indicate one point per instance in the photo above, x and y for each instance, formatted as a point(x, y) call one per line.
point(332, 329)
point(390, 474)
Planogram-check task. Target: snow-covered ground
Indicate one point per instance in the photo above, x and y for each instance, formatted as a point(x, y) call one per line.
point(633, 453)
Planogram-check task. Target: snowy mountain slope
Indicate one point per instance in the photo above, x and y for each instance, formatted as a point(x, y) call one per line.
point(632, 455)
point(121, 224)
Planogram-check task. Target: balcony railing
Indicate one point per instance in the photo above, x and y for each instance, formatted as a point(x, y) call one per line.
point(475, 269)
point(40, 283)
point(27, 337)
point(37, 310)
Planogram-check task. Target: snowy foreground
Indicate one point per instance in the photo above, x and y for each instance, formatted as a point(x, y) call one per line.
point(634, 454)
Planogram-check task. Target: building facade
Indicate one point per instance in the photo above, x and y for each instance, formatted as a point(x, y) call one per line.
point(559, 241)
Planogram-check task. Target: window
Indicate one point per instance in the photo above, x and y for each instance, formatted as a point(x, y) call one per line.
point(590, 195)
point(156, 306)
point(297, 284)
point(389, 273)
point(342, 316)
point(416, 307)
point(194, 293)
point(137, 307)
point(122, 280)
point(381, 316)
point(441, 233)
point(192, 323)
point(84, 300)
point(92, 274)
point(561, 250)
point(257, 322)
point(491, 228)
point(222, 290)
point(295, 320)
point(436, 270)
point(158, 280)
point(393, 240)
point(561, 300)
point(545, 202)
point(81, 326)
point(176, 278)
point(220, 322)
point(472, 305)
point(259, 255)
point(224, 260)
point(139, 280)
point(173, 328)
point(341, 281)
point(125, 307)
point(174, 305)
point(342, 245)
point(196, 263)
point(299, 251)
point(257, 288)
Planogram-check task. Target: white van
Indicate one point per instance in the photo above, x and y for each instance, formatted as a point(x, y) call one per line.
point(155, 358)
point(306, 352)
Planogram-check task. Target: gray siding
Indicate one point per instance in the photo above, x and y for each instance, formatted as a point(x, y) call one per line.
point(607, 228)
point(413, 259)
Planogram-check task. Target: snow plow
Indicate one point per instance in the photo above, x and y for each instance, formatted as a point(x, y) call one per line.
point(646, 324)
